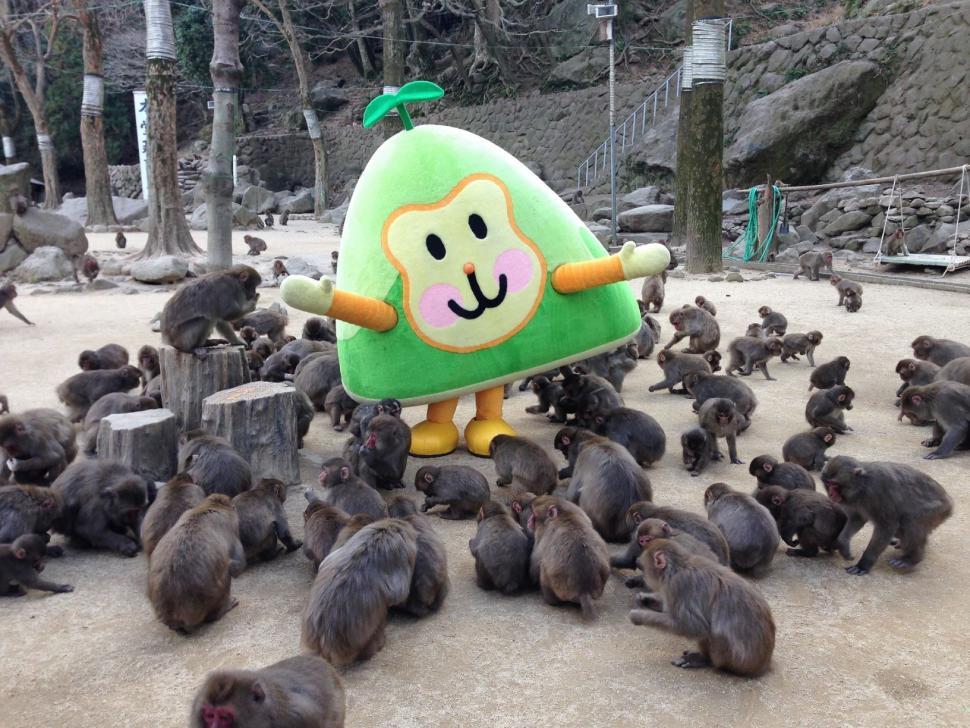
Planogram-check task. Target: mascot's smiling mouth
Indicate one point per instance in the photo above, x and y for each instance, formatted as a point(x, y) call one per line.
point(484, 302)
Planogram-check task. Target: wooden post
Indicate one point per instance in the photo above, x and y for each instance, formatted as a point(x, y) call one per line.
point(259, 419)
point(146, 441)
point(187, 380)
point(765, 201)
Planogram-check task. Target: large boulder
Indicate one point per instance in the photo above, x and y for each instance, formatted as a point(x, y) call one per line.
point(647, 219)
point(847, 222)
point(302, 201)
point(126, 209)
point(327, 95)
point(6, 227)
point(14, 180)
point(165, 269)
point(45, 263)
point(921, 240)
point(258, 199)
point(654, 158)
point(242, 217)
point(795, 133)
point(11, 255)
point(639, 197)
point(582, 70)
point(37, 228)
point(336, 215)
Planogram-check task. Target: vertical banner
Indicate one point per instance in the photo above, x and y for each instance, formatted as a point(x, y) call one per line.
point(235, 174)
point(141, 126)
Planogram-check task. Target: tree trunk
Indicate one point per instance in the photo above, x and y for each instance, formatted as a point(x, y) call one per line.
point(97, 184)
point(392, 16)
point(681, 181)
point(226, 70)
point(147, 442)
point(187, 380)
point(366, 64)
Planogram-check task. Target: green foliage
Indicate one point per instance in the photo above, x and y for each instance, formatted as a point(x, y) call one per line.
point(851, 7)
point(793, 74)
point(193, 44)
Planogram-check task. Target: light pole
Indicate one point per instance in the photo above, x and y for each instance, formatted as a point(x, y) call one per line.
point(605, 14)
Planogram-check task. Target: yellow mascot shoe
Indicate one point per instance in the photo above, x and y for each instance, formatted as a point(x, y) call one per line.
point(479, 435)
point(432, 439)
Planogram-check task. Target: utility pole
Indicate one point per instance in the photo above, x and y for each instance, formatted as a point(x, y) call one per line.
point(605, 15)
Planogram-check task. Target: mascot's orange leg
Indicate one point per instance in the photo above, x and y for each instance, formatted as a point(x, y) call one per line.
point(488, 421)
point(437, 435)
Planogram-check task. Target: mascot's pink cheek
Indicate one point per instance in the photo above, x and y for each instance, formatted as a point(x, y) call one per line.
point(434, 305)
point(517, 268)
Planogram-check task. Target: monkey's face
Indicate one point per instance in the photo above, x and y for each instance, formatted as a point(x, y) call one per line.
point(842, 477)
point(922, 347)
point(471, 277)
point(764, 311)
point(916, 406)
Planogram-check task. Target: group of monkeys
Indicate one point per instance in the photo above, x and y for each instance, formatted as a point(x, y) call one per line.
point(373, 555)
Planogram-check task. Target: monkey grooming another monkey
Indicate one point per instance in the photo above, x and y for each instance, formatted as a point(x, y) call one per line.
point(214, 300)
point(773, 323)
point(684, 521)
point(809, 264)
point(429, 583)
point(20, 565)
point(938, 351)
point(213, 464)
point(808, 448)
point(701, 599)
point(830, 374)
point(321, 525)
point(256, 245)
point(355, 587)
point(461, 489)
point(299, 692)
point(570, 561)
point(262, 521)
point(346, 491)
point(945, 404)
point(36, 446)
point(522, 460)
point(699, 325)
point(790, 476)
point(719, 417)
point(501, 550)
point(845, 288)
point(191, 570)
point(901, 502)
point(176, 497)
point(795, 344)
point(8, 292)
point(915, 373)
point(825, 408)
point(748, 352)
point(748, 528)
point(807, 521)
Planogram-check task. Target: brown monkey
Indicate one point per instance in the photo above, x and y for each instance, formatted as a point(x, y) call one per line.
point(262, 521)
point(748, 352)
point(28, 509)
point(956, 370)
point(354, 588)
point(795, 344)
point(303, 348)
point(501, 550)
point(304, 416)
point(713, 359)
point(584, 392)
point(176, 497)
point(254, 362)
point(87, 265)
point(264, 347)
point(676, 365)
point(719, 417)
point(154, 390)
point(853, 301)
point(915, 373)
point(340, 406)
point(684, 521)
point(344, 490)
point(522, 460)
point(613, 366)
point(249, 335)
point(269, 322)
point(82, 390)
point(652, 292)
point(148, 364)
point(190, 572)
point(213, 464)
point(844, 286)
point(809, 264)
point(807, 521)
point(8, 292)
point(651, 529)
point(20, 565)
point(647, 336)
point(279, 270)
point(748, 527)
point(354, 524)
point(566, 441)
point(285, 218)
point(279, 367)
point(429, 583)
point(830, 374)
point(461, 489)
point(772, 322)
point(947, 406)
point(938, 351)
point(268, 220)
point(606, 481)
point(334, 255)
point(900, 501)
point(637, 431)
point(520, 505)
point(701, 599)
point(569, 561)
point(109, 356)
point(808, 448)
point(755, 331)
point(211, 301)
point(319, 329)
point(825, 408)
point(316, 375)
point(121, 242)
point(103, 505)
point(699, 325)
point(36, 446)
point(702, 302)
point(321, 525)
point(299, 692)
point(256, 245)
point(384, 452)
point(110, 404)
point(708, 386)
point(550, 394)
point(789, 476)
point(695, 447)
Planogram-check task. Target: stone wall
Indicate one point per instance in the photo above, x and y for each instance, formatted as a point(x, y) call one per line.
point(125, 180)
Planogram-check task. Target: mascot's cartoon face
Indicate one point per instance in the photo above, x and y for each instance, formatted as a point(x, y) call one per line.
point(471, 278)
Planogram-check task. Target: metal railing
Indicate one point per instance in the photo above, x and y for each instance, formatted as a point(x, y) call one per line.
point(643, 117)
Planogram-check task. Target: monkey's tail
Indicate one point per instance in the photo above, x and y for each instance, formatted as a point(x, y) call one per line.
point(586, 604)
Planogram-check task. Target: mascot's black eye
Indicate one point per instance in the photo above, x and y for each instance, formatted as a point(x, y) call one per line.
point(478, 226)
point(435, 246)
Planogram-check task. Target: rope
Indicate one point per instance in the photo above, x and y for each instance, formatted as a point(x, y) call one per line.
point(750, 237)
point(956, 224)
point(885, 221)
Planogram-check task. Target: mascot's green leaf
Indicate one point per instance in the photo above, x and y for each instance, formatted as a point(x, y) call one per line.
point(417, 91)
point(409, 93)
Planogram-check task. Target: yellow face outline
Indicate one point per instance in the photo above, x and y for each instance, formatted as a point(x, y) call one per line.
point(498, 278)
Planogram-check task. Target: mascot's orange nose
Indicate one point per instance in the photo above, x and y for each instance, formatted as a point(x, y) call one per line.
point(469, 268)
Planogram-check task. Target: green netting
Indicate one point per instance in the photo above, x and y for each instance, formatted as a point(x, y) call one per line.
point(750, 237)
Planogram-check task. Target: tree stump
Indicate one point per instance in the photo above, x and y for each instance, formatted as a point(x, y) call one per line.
point(259, 419)
point(146, 441)
point(187, 380)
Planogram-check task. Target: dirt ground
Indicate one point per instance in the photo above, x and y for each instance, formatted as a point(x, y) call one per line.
point(884, 649)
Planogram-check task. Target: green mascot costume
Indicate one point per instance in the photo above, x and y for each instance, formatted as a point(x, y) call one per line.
point(460, 270)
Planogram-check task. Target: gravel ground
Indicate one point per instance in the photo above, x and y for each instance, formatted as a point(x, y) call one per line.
point(884, 649)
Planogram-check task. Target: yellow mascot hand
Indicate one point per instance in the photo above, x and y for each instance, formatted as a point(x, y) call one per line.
point(643, 260)
point(307, 294)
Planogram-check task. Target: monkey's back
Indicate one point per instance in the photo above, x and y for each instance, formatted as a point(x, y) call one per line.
point(573, 560)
